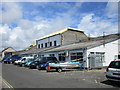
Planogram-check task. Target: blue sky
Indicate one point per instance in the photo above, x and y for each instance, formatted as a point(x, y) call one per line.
point(24, 22)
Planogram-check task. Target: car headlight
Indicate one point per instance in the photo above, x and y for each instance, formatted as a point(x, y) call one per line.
point(41, 65)
point(32, 64)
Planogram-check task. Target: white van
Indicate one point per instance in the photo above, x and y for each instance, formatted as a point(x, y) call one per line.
point(22, 59)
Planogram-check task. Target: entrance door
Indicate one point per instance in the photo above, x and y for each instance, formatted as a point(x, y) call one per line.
point(96, 60)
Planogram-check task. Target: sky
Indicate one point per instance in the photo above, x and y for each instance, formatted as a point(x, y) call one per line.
point(24, 22)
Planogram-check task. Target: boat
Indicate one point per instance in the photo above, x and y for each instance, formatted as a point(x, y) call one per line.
point(64, 65)
point(69, 64)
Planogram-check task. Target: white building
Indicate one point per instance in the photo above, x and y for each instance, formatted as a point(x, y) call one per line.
point(95, 53)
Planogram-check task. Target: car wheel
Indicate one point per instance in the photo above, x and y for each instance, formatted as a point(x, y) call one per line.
point(37, 67)
point(29, 67)
point(59, 70)
point(23, 65)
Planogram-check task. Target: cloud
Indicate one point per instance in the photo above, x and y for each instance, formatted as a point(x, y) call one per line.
point(11, 13)
point(37, 26)
point(95, 26)
point(112, 9)
point(28, 31)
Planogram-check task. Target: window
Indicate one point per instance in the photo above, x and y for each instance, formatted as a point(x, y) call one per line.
point(45, 44)
point(62, 56)
point(51, 55)
point(77, 55)
point(42, 45)
point(55, 43)
point(50, 44)
point(38, 45)
point(115, 64)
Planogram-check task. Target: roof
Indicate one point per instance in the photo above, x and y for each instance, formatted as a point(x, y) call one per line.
point(13, 50)
point(60, 32)
point(93, 42)
point(87, 44)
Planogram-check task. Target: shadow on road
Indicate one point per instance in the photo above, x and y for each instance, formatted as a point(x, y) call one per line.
point(112, 83)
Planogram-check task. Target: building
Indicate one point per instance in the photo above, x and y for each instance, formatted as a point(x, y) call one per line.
point(72, 44)
point(7, 52)
point(94, 53)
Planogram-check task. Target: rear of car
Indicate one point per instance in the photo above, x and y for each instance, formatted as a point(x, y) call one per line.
point(113, 71)
point(45, 62)
point(41, 62)
point(7, 60)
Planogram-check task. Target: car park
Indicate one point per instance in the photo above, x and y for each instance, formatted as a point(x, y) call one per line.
point(113, 71)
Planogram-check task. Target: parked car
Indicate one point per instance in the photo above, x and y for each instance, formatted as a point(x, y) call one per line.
point(7, 60)
point(3, 60)
point(25, 60)
point(41, 60)
point(15, 58)
point(34, 63)
point(17, 62)
point(44, 65)
point(28, 63)
point(113, 71)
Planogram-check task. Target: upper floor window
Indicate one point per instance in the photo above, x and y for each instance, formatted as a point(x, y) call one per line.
point(38, 45)
point(42, 45)
point(50, 44)
point(45, 44)
point(55, 43)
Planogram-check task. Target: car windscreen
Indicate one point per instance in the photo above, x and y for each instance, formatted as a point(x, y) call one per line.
point(37, 59)
point(30, 59)
point(43, 59)
point(115, 64)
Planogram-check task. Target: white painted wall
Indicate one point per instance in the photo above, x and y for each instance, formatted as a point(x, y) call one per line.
point(110, 49)
point(56, 38)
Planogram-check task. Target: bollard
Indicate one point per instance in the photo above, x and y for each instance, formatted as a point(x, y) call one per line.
point(48, 68)
point(2, 62)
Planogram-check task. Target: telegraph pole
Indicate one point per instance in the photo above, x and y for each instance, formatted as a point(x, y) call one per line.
point(104, 39)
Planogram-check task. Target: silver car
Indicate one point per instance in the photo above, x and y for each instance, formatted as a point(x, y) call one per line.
point(113, 71)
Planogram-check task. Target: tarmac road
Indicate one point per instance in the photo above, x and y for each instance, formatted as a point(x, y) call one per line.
point(21, 77)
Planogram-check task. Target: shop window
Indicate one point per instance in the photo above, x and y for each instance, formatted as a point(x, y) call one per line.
point(62, 56)
point(51, 55)
point(78, 55)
